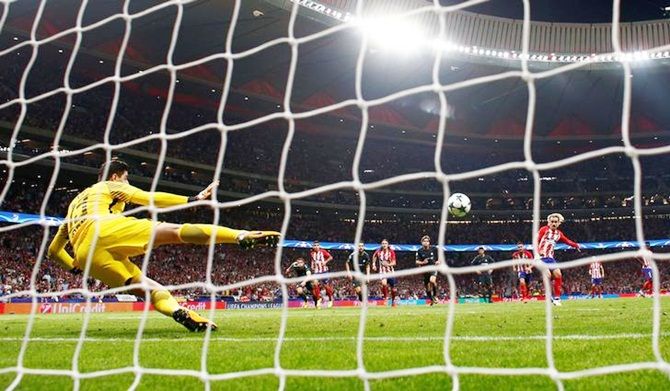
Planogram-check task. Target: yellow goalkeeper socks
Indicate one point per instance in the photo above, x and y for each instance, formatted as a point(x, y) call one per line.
point(200, 234)
point(164, 302)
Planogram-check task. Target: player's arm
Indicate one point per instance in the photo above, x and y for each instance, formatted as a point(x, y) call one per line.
point(566, 240)
point(346, 266)
point(529, 255)
point(392, 260)
point(540, 235)
point(134, 195)
point(474, 262)
point(307, 274)
point(374, 261)
point(58, 253)
point(602, 271)
point(491, 261)
point(327, 257)
point(418, 260)
point(288, 270)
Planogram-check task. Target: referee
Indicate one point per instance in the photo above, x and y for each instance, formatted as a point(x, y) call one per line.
point(484, 279)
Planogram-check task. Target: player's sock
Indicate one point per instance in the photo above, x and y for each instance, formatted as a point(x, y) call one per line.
point(164, 302)
point(394, 293)
point(385, 292)
point(303, 295)
point(329, 292)
point(558, 282)
point(201, 233)
point(316, 293)
point(524, 291)
point(360, 296)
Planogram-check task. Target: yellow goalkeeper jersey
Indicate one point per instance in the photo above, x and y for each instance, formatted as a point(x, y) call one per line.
point(106, 198)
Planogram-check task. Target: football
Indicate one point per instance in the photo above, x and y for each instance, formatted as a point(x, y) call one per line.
point(459, 204)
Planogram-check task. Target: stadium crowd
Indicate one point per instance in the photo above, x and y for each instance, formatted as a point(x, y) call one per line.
point(605, 182)
point(310, 223)
point(254, 155)
point(181, 265)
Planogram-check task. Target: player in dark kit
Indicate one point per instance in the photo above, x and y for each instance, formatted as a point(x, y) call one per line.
point(300, 269)
point(485, 278)
point(363, 267)
point(426, 256)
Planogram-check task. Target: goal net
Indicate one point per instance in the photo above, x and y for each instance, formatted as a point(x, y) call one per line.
point(374, 23)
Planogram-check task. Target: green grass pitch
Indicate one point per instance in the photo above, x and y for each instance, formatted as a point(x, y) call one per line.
point(589, 333)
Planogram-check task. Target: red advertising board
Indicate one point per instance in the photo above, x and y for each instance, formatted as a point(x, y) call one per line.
point(191, 305)
point(94, 307)
point(66, 308)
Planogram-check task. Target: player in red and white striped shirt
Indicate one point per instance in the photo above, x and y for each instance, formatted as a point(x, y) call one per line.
point(597, 273)
point(524, 271)
point(319, 259)
point(647, 275)
point(385, 256)
point(547, 238)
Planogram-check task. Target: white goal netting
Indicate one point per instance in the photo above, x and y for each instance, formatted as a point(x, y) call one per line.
point(230, 57)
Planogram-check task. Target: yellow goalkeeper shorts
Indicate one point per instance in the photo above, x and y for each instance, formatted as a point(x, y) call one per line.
point(119, 239)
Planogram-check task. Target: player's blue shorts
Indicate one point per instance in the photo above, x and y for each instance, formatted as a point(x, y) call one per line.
point(391, 282)
point(596, 281)
point(524, 275)
point(647, 274)
point(551, 262)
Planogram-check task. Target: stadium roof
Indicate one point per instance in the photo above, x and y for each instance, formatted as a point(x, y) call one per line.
point(580, 104)
point(572, 11)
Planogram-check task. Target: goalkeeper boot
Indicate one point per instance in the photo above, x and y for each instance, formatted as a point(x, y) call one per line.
point(251, 239)
point(192, 321)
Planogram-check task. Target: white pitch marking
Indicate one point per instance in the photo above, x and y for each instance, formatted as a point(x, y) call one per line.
point(473, 338)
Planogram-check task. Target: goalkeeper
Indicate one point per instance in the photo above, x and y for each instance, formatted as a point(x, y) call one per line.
point(120, 238)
